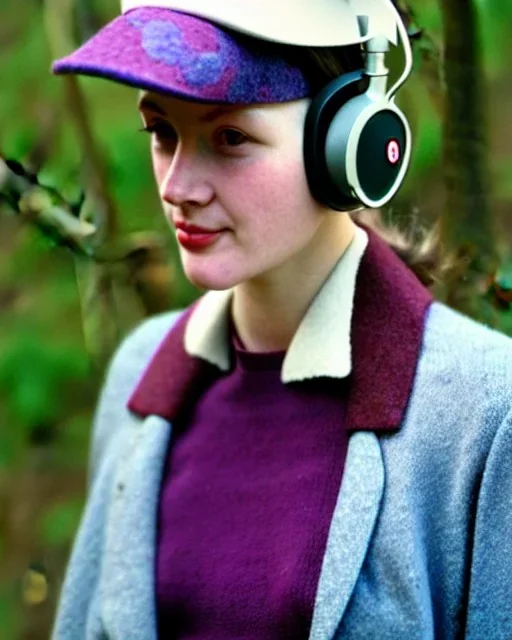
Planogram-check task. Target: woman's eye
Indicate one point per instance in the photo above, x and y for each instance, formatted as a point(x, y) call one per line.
point(162, 131)
point(231, 137)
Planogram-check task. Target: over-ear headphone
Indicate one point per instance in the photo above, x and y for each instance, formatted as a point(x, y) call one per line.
point(357, 142)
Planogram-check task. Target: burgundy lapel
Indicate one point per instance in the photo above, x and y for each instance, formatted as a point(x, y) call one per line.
point(170, 376)
point(390, 306)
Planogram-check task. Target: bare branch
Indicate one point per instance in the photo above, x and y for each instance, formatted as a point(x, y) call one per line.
point(43, 207)
point(59, 26)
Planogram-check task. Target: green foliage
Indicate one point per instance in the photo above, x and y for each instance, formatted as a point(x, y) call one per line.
point(503, 178)
point(428, 16)
point(427, 136)
point(59, 523)
point(496, 16)
point(9, 616)
point(48, 387)
point(33, 376)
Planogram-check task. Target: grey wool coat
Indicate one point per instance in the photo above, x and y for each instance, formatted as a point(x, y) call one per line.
point(420, 542)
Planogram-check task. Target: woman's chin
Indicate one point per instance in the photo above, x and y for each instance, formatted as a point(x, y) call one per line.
point(210, 278)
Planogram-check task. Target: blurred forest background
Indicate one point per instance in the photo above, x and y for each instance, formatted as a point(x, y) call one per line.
point(68, 295)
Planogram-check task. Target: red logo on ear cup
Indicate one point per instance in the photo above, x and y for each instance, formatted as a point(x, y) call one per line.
point(393, 151)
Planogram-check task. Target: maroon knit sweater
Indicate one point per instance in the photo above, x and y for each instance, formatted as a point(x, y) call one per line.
point(247, 497)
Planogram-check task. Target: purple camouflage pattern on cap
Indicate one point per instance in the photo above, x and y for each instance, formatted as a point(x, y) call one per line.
point(185, 56)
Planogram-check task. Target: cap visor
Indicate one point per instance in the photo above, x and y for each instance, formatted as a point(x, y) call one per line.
point(184, 56)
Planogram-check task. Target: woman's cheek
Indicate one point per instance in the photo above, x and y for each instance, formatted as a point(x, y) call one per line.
point(160, 168)
point(267, 183)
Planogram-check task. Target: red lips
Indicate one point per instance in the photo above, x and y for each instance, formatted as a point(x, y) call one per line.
point(192, 237)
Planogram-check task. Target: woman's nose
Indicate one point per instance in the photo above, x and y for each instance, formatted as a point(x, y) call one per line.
point(185, 180)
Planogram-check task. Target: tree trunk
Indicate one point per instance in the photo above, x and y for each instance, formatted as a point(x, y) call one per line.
point(466, 222)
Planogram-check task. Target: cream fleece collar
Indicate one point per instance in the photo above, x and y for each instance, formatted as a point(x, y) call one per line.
point(321, 346)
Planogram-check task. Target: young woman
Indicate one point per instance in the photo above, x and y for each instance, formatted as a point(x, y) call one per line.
point(315, 449)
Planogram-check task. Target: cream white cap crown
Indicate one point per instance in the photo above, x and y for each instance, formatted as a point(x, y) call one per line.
point(319, 23)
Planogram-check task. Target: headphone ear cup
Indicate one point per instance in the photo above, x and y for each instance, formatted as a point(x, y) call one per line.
point(323, 109)
point(367, 149)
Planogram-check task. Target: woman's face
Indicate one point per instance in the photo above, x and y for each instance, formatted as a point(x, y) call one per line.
point(233, 186)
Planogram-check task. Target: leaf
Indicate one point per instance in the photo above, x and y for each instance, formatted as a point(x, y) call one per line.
point(59, 523)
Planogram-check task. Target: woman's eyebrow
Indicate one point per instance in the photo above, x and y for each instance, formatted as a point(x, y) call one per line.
point(145, 104)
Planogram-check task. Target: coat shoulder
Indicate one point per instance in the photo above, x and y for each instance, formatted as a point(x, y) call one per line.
point(127, 366)
point(137, 349)
point(444, 322)
point(453, 340)
point(464, 374)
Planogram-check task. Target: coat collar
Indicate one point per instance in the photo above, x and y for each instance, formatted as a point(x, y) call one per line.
point(389, 306)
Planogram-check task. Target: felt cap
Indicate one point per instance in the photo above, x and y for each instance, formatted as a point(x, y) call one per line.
point(185, 56)
point(191, 48)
